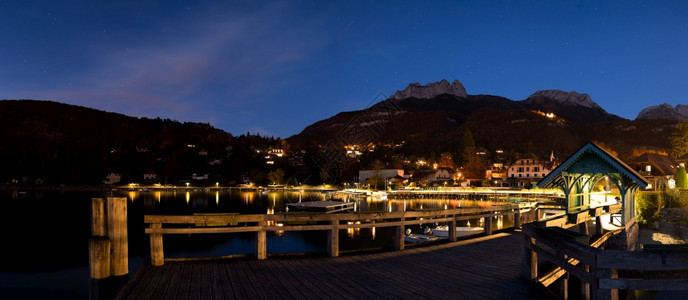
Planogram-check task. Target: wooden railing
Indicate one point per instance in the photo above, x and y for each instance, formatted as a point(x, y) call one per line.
point(158, 225)
point(601, 272)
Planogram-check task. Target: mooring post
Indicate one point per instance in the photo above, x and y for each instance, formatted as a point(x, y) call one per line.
point(333, 239)
point(517, 220)
point(98, 218)
point(117, 232)
point(108, 246)
point(99, 257)
point(99, 244)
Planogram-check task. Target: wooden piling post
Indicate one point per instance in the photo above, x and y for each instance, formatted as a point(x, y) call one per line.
point(157, 254)
point(333, 239)
point(517, 220)
point(488, 225)
point(99, 257)
point(99, 245)
point(117, 233)
point(583, 228)
point(530, 260)
point(599, 293)
point(98, 218)
point(261, 242)
point(585, 285)
point(399, 236)
point(452, 229)
point(598, 224)
point(563, 280)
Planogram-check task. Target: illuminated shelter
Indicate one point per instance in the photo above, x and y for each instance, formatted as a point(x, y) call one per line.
point(578, 175)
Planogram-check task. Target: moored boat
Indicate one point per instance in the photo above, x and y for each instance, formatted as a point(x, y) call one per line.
point(410, 237)
point(443, 231)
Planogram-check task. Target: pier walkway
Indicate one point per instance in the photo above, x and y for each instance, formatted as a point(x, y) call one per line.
point(487, 267)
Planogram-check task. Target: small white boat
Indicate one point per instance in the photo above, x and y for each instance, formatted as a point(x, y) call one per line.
point(443, 231)
point(418, 238)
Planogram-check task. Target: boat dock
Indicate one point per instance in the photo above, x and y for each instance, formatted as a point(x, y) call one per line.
point(321, 206)
point(487, 267)
point(496, 195)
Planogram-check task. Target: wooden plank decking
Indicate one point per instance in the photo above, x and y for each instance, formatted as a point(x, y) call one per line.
point(483, 268)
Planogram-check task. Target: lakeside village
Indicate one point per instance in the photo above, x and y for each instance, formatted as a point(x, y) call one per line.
point(476, 168)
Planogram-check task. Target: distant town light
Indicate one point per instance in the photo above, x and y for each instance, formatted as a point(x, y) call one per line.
point(549, 115)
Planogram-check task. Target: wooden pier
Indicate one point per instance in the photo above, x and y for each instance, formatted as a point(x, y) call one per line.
point(495, 195)
point(321, 206)
point(483, 268)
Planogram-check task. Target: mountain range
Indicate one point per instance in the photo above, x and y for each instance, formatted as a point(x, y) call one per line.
point(432, 118)
point(61, 143)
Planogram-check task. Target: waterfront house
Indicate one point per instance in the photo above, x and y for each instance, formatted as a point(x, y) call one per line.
point(112, 178)
point(364, 175)
point(197, 176)
point(528, 169)
point(659, 169)
point(441, 174)
point(149, 175)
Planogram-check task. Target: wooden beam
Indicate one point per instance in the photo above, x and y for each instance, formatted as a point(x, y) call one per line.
point(636, 260)
point(674, 284)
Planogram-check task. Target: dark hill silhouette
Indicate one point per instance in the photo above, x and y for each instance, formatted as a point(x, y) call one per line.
point(66, 144)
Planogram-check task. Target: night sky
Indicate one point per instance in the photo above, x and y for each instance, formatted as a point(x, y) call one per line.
point(275, 67)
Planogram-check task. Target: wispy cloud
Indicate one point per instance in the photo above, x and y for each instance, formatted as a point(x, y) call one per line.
point(219, 61)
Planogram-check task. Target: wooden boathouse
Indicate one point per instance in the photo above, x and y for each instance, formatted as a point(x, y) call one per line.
point(603, 262)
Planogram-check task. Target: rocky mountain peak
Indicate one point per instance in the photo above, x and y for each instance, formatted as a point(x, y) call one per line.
point(567, 98)
point(682, 109)
point(431, 90)
point(664, 111)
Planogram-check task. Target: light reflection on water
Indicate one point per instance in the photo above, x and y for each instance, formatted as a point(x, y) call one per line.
point(68, 216)
point(256, 202)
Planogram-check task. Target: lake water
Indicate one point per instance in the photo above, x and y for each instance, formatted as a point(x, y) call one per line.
point(46, 233)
